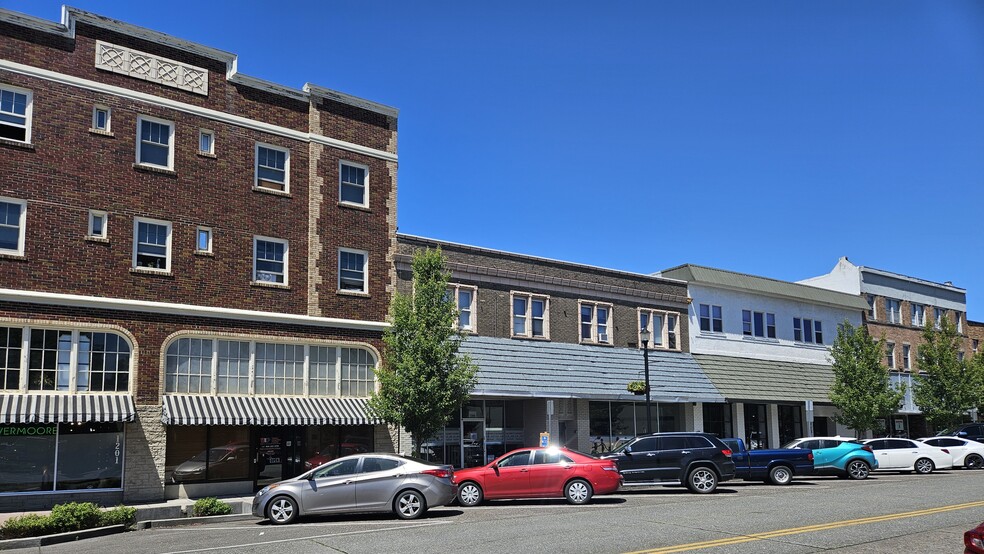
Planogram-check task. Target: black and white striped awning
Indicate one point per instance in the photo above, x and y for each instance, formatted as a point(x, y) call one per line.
point(189, 409)
point(66, 408)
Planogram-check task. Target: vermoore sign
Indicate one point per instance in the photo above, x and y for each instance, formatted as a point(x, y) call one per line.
point(24, 430)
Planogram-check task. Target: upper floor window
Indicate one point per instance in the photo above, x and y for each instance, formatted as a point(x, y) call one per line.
point(63, 360)
point(272, 167)
point(13, 224)
point(152, 244)
point(918, 315)
point(463, 297)
point(664, 328)
point(101, 119)
point(352, 187)
point(269, 260)
point(959, 321)
point(807, 330)
point(890, 354)
point(529, 315)
point(206, 142)
point(906, 357)
point(220, 366)
point(352, 270)
point(960, 355)
point(596, 322)
point(939, 314)
point(203, 240)
point(97, 224)
point(872, 313)
point(710, 318)
point(974, 344)
point(894, 309)
point(15, 113)
point(155, 142)
point(758, 324)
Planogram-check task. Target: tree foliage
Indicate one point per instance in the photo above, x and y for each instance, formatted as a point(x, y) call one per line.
point(424, 379)
point(862, 389)
point(945, 387)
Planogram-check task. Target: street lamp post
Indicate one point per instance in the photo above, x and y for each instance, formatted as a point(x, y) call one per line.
point(644, 336)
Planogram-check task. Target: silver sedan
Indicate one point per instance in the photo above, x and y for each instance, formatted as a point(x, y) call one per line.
point(359, 483)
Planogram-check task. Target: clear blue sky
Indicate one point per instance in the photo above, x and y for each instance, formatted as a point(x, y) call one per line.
point(763, 137)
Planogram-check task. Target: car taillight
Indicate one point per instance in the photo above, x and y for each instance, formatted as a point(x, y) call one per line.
point(610, 467)
point(867, 447)
point(439, 473)
point(810, 456)
point(974, 540)
point(726, 452)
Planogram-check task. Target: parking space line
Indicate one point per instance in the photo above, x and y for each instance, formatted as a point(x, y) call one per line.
point(738, 539)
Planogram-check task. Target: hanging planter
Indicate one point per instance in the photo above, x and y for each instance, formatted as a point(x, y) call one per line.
point(637, 387)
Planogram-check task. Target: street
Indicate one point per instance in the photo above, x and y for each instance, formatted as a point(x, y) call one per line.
point(889, 512)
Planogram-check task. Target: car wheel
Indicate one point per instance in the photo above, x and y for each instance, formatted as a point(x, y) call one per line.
point(702, 480)
point(282, 510)
point(470, 494)
point(973, 461)
point(858, 469)
point(924, 466)
point(409, 504)
point(578, 491)
point(781, 475)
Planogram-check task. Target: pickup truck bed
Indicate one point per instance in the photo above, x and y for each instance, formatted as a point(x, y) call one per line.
point(776, 466)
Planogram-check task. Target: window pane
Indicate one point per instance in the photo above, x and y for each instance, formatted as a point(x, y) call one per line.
point(29, 457)
point(90, 456)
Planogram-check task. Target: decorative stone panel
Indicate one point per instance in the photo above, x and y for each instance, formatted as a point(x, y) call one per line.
point(140, 65)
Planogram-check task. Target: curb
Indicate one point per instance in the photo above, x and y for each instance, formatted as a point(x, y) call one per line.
point(38, 542)
point(182, 521)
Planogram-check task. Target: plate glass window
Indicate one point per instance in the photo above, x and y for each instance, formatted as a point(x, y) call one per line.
point(12, 217)
point(353, 184)
point(269, 261)
point(97, 224)
point(206, 142)
point(351, 271)
point(15, 114)
point(100, 119)
point(271, 168)
point(152, 248)
point(154, 145)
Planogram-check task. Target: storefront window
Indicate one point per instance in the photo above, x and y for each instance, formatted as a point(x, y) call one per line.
point(610, 422)
point(717, 420)
point(228, 453)
point(89, 456)
point(186, 453)
point(27, 457)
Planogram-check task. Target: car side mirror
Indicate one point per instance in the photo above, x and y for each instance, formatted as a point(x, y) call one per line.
point(961, 433)
point(495, 468)
point(628, 450)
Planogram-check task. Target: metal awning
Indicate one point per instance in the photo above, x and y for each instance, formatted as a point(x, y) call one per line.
point(66, 408)
point(190, 409)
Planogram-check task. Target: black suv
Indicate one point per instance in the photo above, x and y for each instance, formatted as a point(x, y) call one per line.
point(698, 460)
point(969, 431)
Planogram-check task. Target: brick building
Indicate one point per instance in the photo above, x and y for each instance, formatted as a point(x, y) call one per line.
point(544, 332)
point(195, 266)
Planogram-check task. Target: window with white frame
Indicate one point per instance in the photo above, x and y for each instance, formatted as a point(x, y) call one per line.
point(807, 330)
point(596, 322)
point(206, 141)
point(15, 113)
point(939, 314)
point(152, 244)
point(872, 312)
point(221, 366)
point(463, 297)
point(906, 359)
point(960, 355)
point(975, 343)
point(664, 328)
point(272, 166)
point(13, 226)
point(890, 354)
point(711, 319)
point(155, 142)
point(352, 270)
point(959, 321)
point(353, 183)
point(758, 324)
point(269, 260)
point(101, 119)
point(530, 315)
point(203, 240)
point(97, 224)
point(918, 314)
point(894, 309)
point(64, 360)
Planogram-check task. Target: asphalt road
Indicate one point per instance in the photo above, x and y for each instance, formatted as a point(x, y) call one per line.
point(889, 512)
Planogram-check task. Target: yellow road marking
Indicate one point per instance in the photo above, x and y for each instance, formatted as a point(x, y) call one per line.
point(807, 529)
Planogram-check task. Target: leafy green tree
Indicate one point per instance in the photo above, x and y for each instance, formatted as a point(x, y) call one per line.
point(424, 379)
point(945, 387)
point(862, 389)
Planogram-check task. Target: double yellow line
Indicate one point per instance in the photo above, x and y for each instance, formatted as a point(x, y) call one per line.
point(807, 529)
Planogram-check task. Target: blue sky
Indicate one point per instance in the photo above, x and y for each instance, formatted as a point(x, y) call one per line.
point(764, 137)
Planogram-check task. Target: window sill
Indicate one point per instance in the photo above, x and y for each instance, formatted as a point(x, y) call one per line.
point(812, 345)
point(148, 271)
point(767, 340)
point(155, 169)
point(352, 293)
point(209, 155)
point(524, 337)
point(12, 256)
point(102, 133)
point(204, 253)
point(595, 343)
point(268, 285)
point(712, 335)
point(17, 144)
point(101, 240)
point(359, 207)
point(274, 192)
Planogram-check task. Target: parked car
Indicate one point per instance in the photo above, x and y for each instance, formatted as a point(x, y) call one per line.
point(550, 472)
point(972, 431)
point(974, 540)
point(698, 460)
point(844, 457)
point(359, 483)
point(966, 453)
point(909, 455)
point(776, 466)
point(328, 453)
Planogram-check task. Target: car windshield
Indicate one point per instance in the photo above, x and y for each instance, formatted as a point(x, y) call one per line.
point(946, 432)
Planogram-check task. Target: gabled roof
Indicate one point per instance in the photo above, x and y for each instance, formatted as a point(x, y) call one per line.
point(774, 287)
point(766, 380)
point(537, 369)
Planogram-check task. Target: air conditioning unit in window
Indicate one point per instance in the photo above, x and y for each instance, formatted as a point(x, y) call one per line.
point(603, 337)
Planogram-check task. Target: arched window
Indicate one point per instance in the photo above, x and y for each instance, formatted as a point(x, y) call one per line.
point(68, 360)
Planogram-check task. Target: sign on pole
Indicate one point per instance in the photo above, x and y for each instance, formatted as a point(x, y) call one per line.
point(544, 439)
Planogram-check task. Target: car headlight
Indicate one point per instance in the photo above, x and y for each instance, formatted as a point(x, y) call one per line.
point(266, 489)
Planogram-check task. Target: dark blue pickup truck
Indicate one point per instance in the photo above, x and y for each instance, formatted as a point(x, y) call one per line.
point(772, 466)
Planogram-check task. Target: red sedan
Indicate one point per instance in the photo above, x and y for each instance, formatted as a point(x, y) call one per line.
point(550, 472)
point(974, 540)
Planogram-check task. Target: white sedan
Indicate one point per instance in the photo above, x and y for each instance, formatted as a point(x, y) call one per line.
point(909, 455)
point(966, 453)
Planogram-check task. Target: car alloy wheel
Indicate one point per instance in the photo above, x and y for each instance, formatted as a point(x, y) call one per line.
point(578, 492)
point(973, 461)
point(409, 505)
point(924, 466)
point(470, 495)
point(780, 475)
point(858, 469)
point(282, 510)
point(702, 480)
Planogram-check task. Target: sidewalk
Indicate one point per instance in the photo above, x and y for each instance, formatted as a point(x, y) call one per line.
point(170, 509)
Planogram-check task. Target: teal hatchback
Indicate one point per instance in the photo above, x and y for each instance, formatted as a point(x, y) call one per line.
point(840, 456)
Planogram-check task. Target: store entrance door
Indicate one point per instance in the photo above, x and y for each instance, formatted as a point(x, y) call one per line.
point(278, 454)
point(472, 442)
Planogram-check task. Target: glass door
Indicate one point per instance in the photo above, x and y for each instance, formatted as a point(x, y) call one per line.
point(269, 458)
point(472, 442)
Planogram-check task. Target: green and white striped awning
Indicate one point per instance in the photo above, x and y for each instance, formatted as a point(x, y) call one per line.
point(192, 409)
point(66, 408)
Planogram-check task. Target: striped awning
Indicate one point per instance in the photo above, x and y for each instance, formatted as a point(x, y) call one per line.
point(66, 408)
point(189, 409)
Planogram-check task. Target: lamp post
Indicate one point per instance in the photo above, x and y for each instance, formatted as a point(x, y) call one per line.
point(644, 336)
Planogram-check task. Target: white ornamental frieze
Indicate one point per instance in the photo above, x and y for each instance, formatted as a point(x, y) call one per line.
point(141, 65)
